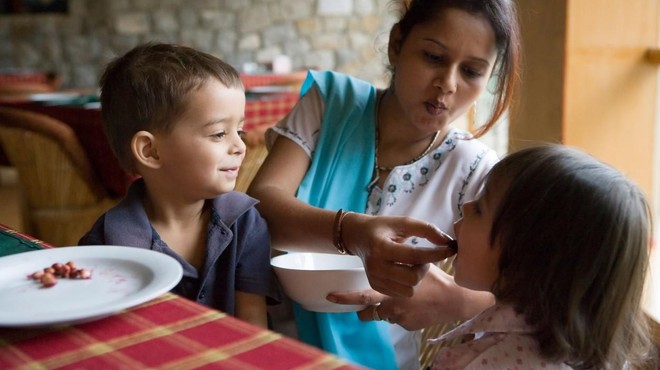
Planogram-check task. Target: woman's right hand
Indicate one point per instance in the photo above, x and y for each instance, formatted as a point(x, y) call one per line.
point(393, 267)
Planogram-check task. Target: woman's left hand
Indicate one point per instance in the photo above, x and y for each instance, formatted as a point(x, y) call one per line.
point(436, 300)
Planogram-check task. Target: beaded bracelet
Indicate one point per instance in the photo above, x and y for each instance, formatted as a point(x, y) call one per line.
point(336, 232)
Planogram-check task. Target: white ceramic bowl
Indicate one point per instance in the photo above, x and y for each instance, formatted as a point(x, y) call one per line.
point(307, 278)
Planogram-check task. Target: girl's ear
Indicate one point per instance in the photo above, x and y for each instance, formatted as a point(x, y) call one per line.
point(394, 45)
point(145, 149)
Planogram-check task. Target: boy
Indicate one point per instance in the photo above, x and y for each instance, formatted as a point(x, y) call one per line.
point(174, 116)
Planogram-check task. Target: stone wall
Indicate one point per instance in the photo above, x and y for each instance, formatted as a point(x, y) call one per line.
point(345, 35)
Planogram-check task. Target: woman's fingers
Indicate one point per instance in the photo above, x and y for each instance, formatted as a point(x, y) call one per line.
point(364, 297)
point(394, 267)
point(393, 278)
point(380, 312)
point(415, 255)
point(390, 236)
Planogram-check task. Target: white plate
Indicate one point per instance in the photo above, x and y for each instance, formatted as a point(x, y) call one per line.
point(45, 97)
point(122, 277)
point(93, 105)
point(269, 89)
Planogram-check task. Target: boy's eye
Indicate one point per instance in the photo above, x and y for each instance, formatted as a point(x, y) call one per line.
point(220, 134)
point(241, 134)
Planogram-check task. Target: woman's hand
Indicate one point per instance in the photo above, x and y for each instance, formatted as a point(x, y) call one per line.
point(393, 267)
point(437, 300)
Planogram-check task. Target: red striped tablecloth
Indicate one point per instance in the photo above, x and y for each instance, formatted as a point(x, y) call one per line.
point(169, 332)
point(251, 80)
point(268, 110)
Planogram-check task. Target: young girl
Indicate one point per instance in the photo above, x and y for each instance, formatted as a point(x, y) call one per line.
point(562, 241)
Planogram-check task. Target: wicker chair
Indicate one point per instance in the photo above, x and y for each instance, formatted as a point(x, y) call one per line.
point(62, 196)
point(428, 351)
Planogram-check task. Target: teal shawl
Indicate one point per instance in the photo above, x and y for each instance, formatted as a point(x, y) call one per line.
point(338, 176)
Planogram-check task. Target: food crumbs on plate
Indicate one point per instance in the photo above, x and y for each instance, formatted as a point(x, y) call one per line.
point(48, 277)
point(48, 280)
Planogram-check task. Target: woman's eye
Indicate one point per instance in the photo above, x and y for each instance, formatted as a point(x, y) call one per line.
point(433, 57)
point(472, 73)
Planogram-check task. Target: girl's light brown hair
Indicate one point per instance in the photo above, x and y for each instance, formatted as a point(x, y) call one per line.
point(574, 235)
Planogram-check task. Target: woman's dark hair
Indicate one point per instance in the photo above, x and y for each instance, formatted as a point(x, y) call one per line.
point(147, 89)
point(574, 235)
point(501, 15)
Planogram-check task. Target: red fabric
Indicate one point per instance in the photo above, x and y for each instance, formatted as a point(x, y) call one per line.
point(168, 332)
point(264, 79)
point(31, 77)
point(268, 110)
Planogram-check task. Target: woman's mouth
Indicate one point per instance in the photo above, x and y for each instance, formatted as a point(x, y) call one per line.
point(435, 108)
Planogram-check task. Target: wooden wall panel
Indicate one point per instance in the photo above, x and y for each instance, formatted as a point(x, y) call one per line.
point(588, 83)
point(609, 87)
point(539, 110)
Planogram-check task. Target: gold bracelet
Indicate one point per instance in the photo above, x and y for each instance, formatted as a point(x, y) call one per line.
point(336, 234)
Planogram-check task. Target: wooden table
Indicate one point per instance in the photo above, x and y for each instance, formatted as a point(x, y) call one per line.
point(169, 332)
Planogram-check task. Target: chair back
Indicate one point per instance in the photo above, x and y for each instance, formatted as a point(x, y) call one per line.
point(428, 351)
point(254, 157)
point(62, 195)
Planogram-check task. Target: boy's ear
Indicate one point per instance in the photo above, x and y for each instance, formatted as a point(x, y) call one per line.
point(145, 149)
point(394, 44)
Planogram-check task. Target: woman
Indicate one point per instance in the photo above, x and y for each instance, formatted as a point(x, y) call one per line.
point(347, 146)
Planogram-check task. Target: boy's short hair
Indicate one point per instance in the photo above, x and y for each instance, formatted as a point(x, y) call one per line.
point(147, 89)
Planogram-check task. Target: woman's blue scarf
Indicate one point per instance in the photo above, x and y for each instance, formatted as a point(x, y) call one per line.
point(341, 169)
